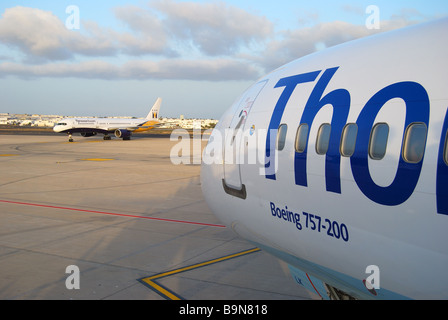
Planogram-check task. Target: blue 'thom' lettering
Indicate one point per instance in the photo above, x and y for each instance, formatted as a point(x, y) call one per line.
point(406, 178)
point(340, 100)
point(417, 110)
point(290, 84)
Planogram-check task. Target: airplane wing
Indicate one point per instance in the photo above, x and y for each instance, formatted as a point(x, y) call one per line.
point(111, 129)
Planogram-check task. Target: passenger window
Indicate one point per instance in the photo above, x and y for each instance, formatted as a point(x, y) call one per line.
point(348, 139)
point(301, 138)
point(445, 153)
point(414, 142)
point(378, 141)
point(281, 136)
point(323, 139)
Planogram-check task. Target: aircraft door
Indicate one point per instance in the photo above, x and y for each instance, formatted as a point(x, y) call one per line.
point(232, 148)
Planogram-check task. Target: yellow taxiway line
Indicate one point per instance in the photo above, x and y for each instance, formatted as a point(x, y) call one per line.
point(97, 159)
point(168, 294)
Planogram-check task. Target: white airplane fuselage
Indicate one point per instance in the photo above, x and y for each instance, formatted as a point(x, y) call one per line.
point(338, 162)
point(99, 124)
point(122, 127)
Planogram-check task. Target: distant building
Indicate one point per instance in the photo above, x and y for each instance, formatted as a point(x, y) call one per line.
point(8, 120)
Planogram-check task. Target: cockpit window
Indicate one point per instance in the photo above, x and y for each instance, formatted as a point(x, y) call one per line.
point(61, 124)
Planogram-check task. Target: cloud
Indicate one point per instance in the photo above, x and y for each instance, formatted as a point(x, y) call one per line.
point(200, 70)
point(294, 44)
point(46, 42)
point(42, 36)
point(87, 69)
point(214, 28)
point(149, 35)
point(18, 28)
point(172, 69)
point(168, 39)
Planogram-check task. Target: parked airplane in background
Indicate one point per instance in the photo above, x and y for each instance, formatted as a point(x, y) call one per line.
point(122, 128)
point(350, 182)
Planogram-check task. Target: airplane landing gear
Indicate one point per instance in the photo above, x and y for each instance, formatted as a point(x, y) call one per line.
point(107, 137)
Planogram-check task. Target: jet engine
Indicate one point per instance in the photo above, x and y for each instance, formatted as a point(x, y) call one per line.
point(124, 134)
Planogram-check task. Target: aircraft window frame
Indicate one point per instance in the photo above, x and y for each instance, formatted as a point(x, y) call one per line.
point(323, 138)
point(348, 139)
point(445, 149)
point(409, 137)
point(381, 145)
point(237, 127)
point(281, 136)
point(301, 137)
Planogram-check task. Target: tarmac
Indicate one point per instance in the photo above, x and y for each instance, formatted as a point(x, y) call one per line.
point(117, 220)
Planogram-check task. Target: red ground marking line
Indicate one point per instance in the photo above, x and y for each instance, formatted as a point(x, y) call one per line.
point(112, 214)
point(313, 284)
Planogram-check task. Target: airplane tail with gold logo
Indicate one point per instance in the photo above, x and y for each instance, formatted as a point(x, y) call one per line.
point(154, 113)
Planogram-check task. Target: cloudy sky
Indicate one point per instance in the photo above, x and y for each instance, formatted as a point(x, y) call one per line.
point(114, 58)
